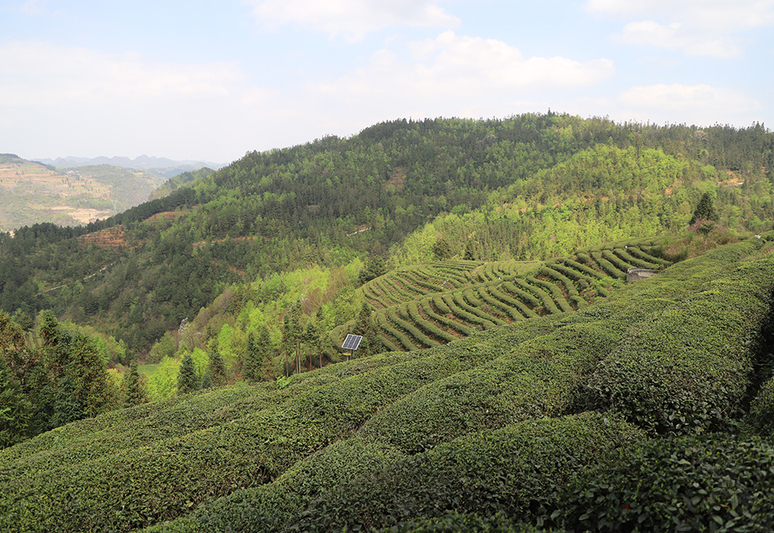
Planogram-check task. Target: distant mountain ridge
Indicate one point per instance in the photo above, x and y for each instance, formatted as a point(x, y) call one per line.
point(160, 165)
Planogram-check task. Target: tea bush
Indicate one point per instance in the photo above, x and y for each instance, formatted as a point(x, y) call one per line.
point(714, 483)
point(516, 470)
point(690, 367)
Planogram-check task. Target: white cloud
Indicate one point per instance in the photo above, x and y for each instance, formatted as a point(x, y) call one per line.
point(32, 73)
point(352, 18)
point(692, 104)
point(713, 28)
point(456, 67)
point(33, 8)
point(78, 101)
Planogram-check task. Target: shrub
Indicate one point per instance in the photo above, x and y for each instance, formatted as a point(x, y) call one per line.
point(689, 368)
point(760, 419)
point(713, 483)
point(516, 470)
point(455, 522)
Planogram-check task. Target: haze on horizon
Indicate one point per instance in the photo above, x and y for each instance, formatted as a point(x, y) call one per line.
point(212, 81)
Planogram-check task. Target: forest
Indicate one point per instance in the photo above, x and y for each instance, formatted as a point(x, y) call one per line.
point(509, 377)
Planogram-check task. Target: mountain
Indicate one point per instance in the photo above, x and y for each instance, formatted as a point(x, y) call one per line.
point(531, 187)
point(32, 192)
point(161, 166)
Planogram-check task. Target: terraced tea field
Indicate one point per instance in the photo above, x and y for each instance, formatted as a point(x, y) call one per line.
point(427, 305)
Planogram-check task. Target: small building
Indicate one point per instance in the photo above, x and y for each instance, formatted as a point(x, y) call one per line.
point(637, 274)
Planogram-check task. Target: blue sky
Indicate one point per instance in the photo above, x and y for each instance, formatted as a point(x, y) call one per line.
point(212, 80)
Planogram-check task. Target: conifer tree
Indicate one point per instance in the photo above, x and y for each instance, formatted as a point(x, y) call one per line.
point(705, 210)
point(365, 327)
point(15, 408)
point(217, 369)
point(311, 338)
point(252, 365)
point(265, 347)
point(135, 393)
point(186, 379)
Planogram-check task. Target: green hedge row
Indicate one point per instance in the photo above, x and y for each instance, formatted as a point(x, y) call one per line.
point(691, 366)
point(401, 319)
point(613, 258)
point(535, 377)
point(421, 282)
point(625, 256)
point(516, 470)
point(439, 335)
point(523, 291)
point(485, 293)
point(390, 336)
point(714, 483)
point(141, 485)
point(449, 323)
point(544, 291)
point(471, 313)
point(373, 297)
point(274, 506)
point(440, 303)
point(581, 270)
point(388, 298)
point(639, 253)
point(395, 287)
point(513, 303)
point(384, 321)
point(607, 266)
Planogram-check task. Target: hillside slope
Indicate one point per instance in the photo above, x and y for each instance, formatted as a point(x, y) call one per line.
point(530, 187)
point(32, 193)
point(500, 421)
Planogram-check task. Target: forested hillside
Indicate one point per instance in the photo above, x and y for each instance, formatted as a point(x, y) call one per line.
point(528, 187)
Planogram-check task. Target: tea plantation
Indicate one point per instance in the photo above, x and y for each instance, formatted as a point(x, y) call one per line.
point(544, 399)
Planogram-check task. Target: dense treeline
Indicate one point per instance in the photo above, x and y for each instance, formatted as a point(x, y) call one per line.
point(52, 374)
point(334, 200)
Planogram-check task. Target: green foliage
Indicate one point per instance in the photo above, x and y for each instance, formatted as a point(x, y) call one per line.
point(164, 347)
point(374, 267)
point(530, 186)
point(15, 408)
point(516, 470)
point(705, 210)
point(687, 484)
point(358, 432)
point(162, 384)
point(217, 370)
point(659, 377)
point(455, 522)
point(135, 388)
point(760, 419)
point(187, 380)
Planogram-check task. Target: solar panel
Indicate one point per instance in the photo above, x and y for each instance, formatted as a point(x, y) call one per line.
point(352, 342)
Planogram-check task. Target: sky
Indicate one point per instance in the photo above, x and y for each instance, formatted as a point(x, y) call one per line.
point(210, 81)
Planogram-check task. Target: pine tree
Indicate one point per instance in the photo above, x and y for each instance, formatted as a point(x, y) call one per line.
point(15, 408)
point(252, 365)
point(364, 326)
point(311, 338)
point(135, 393)
point(265, 348)
point(217, 369)
point(186, 379)
point(705, 210)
